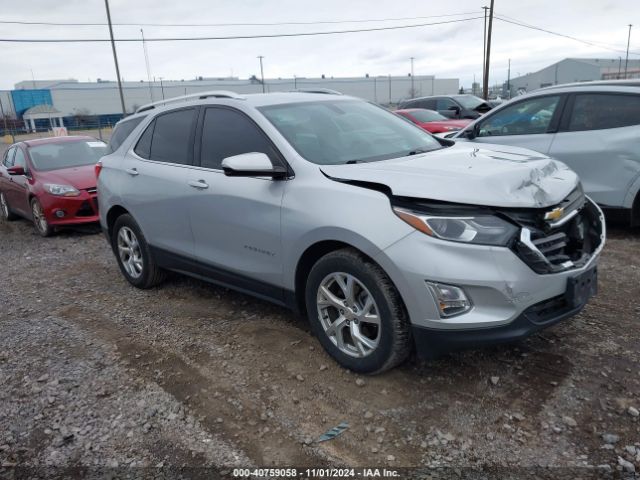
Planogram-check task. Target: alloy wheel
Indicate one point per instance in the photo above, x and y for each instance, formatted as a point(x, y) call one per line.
point(38, 217)
point(129, 252)
point(348, 314)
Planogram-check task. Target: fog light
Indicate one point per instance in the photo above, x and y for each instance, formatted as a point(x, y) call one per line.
point(451, 300)
point(60, 213)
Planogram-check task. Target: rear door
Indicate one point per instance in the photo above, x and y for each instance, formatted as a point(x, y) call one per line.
point(599, 138)
point(236, 220)
point(154, 178)
point(530, 123)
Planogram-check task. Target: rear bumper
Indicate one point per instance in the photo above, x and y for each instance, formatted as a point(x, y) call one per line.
point(431, 343)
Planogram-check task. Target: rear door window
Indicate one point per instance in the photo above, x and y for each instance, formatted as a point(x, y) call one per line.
point(122, 131)
point(171, 137)
point(597, 111)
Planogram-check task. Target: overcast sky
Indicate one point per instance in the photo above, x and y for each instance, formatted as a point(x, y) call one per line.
point(450, 50)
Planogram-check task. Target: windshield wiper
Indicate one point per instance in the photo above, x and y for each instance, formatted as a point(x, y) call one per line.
point(351, 162)
point(416, 152)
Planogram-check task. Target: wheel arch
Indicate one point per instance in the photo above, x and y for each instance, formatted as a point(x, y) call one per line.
point(311, 255)
point(112, 215)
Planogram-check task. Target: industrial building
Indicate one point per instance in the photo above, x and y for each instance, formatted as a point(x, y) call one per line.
point(573, 70)
point(75, 101)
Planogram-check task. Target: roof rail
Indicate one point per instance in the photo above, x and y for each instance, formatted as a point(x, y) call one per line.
point(193, 96)
point(325, 91)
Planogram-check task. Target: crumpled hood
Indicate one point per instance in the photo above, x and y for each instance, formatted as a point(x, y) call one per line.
point(82, 177)
point(490, 175)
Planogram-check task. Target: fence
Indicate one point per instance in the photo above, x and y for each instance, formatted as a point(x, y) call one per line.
point(17, 132)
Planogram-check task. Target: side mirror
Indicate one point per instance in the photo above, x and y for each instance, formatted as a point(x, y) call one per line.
point(252, 164)
point(17, 170)
point(455, 108)
point(472, 132)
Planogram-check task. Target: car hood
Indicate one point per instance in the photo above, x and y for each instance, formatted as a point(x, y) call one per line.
point(490, 175)
point(79, 177)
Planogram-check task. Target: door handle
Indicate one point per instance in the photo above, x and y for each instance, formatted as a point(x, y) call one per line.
point(132, 171)
point(201, 184)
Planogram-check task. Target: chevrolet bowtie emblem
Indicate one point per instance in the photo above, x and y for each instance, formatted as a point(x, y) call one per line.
point(554, 214)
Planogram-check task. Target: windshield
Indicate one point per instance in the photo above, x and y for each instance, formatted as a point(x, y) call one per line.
point(424, 115)
point(469, 101)
point(347, 131)
point(54, 156)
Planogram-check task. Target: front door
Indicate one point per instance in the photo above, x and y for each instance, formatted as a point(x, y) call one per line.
point(236, 220)
point(528, 124)
point(16, 191)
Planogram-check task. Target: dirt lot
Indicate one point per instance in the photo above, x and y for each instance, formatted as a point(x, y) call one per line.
point(97, 373)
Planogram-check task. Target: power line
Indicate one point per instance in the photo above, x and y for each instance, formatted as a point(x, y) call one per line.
point(540, 29)
point(317, 22)
point(231, 37)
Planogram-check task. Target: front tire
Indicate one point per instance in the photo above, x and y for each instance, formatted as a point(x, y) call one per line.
point(134, 255)
point(5, 209)
point(357, 313)
point(39, 220)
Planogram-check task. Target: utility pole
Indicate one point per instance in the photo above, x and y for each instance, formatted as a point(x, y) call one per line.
point(509, 79)
point(161, 87)
point(146, 61)
point(262, 73)
point(413, 91)
point(626, 59)
point(115, 59)
point(484, 42)
point(389, 89)
point(488, 61)
point(4, 118)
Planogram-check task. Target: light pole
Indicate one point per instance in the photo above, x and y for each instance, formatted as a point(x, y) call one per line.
point(509, 79)
point(261, 73)
point(146, 61)
point(626, 58)
point(115, 59)
point(161, 87)
point(413, 91)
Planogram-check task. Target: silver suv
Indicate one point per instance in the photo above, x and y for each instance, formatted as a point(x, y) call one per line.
point(386, 237)
point(593, 127)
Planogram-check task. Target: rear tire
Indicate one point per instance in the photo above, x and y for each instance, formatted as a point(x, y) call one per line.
point(133, 254)
point(357, 313)
point(5, 209)
point(39, 220)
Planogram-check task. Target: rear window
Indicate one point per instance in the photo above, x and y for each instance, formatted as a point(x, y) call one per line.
point(597, 111)
point(427, 116)
point(122, 131)
point(55, 156)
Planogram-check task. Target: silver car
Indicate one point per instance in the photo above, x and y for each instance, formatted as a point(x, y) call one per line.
point(593, 127)
point(387, 238)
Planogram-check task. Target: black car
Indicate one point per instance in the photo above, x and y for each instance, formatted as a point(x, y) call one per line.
point(451, 106)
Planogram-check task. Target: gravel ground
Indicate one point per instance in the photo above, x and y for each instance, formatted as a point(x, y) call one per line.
point(95, 373)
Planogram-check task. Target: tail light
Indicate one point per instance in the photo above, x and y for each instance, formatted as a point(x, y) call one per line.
point(98, 169)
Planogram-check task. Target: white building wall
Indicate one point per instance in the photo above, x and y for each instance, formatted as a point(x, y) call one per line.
point(73, 98)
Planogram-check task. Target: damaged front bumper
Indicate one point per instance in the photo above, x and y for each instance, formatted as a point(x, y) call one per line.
point(515, 290)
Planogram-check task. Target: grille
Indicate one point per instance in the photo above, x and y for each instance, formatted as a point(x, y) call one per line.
point(549, 247)
point(85, 210)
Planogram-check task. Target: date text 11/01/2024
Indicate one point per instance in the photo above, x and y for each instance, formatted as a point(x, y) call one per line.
point(315, 473)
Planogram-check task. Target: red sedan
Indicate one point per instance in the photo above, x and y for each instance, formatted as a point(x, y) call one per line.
point(432, 121)
point(51, 181)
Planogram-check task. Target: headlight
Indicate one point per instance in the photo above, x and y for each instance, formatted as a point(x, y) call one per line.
point(480, 229)
point(61, 190)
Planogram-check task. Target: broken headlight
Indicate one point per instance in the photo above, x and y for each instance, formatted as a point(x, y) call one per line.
point(480, 229)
